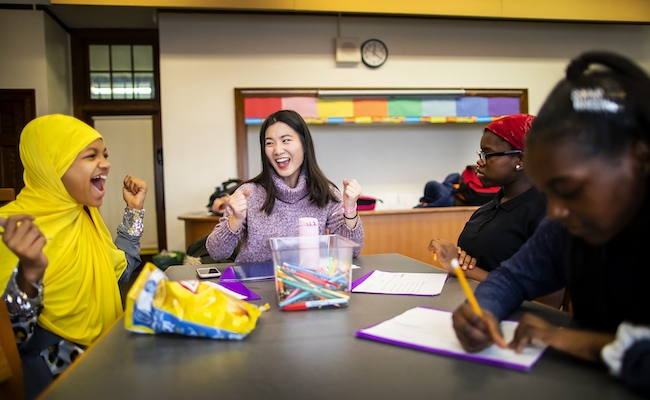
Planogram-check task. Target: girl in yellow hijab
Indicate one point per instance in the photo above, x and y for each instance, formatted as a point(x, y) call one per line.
point(66, 167)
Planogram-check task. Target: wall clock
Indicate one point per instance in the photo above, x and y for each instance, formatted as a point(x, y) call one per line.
point(374, 53)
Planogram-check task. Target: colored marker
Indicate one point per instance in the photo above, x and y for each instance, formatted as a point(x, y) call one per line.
point(330, 278)
point(335, 267)
point(335, 293)
point(307, 288)
point(295, 292)
point(295, 298)
point(312, 279)
point(314, 304)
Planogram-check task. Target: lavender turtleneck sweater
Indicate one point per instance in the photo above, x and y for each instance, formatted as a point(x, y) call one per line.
point(291, 204)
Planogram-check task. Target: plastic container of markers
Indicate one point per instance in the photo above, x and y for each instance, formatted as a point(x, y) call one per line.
point(312, 274)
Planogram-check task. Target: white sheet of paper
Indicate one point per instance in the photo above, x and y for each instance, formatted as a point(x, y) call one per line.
point(414, 283)
point(429, 329)
point(225, 290)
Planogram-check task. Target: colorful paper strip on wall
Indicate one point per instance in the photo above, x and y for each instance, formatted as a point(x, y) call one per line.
point(438, 110)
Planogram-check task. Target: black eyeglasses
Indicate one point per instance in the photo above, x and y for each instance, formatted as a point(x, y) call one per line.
point(484, 156)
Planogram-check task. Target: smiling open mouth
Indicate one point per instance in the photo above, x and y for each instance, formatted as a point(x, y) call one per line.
point(98, 181)
point(283, 162)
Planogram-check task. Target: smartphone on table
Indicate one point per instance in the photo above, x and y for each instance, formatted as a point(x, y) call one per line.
point(208, 271)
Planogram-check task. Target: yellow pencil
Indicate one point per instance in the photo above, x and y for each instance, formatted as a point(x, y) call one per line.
point(493, 332)
point(468, 291)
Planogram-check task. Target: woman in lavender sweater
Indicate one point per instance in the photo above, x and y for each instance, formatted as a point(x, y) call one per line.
point(290, 186)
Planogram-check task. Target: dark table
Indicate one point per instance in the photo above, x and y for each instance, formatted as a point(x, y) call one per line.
point(314, 355)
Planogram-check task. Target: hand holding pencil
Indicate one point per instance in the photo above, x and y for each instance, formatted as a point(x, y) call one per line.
point(444, 251)
point(475, 328)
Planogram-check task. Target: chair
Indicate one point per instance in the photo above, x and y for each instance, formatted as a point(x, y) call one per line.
point(555, 300)
point(7, 195)
point(11, 368)
point(567, 305)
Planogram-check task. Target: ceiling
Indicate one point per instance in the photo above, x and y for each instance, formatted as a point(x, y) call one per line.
point(136, 17)
point(105, 17)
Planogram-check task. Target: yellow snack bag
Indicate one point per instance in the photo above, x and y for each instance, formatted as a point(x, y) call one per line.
point(193, 308)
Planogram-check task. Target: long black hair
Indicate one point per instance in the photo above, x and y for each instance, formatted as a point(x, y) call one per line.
point(604, 110)
point(320, 192)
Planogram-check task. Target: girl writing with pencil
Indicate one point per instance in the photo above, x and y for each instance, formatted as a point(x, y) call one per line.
point(588, 151)
point(290, 186)
point(59, 267)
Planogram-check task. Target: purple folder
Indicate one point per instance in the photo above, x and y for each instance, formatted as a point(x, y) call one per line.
point(240, 288)
point(228, 276)
point(231, 283)
point(360, 280)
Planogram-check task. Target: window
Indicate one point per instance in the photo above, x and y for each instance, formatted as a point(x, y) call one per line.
point(115, 72)
point(121, 72)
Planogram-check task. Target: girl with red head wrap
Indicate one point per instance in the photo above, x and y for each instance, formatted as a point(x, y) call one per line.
point(498, 228)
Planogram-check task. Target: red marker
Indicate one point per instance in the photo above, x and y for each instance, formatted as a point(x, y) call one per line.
point(314, 279)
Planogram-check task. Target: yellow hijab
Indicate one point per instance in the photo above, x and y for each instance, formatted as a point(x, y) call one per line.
point(81, 295)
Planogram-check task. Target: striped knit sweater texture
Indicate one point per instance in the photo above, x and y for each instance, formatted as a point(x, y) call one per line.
point(291, 204)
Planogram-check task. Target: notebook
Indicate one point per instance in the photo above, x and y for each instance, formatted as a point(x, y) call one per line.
point(431, 330)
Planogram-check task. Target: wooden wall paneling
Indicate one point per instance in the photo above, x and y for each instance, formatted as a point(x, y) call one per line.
point(408, 232)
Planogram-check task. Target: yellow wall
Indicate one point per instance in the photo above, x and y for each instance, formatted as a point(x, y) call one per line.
point(573, 10)
point(588, 10)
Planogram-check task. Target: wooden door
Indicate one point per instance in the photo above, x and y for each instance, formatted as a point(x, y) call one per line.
point(17, 108)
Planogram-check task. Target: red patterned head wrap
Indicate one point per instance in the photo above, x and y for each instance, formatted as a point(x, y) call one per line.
point(512, 129)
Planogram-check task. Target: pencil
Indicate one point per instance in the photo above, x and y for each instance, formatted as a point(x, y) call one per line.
point(468, 291)
point(494, 334)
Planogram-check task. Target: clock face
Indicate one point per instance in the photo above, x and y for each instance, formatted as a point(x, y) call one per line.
point(374, 53)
